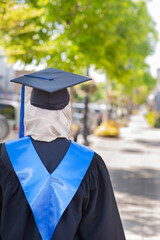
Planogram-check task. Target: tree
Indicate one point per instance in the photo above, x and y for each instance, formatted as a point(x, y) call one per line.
point(21, 30)
point(114, 36)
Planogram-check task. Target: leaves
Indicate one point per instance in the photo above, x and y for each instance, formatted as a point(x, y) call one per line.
point(114, 36)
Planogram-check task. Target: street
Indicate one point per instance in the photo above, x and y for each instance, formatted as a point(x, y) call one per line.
point(134, 165)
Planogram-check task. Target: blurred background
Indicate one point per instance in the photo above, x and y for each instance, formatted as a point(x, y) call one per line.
point(118, 113)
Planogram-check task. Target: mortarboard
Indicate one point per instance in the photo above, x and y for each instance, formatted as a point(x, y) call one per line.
point(51, 80)
point(49, 89)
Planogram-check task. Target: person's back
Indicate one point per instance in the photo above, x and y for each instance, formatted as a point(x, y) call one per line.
point(92, 213)
point(52, 187)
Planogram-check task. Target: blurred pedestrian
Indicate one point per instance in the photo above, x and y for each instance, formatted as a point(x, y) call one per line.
point(50, 186)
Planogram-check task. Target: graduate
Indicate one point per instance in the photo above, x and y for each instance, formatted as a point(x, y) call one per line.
point(52, 188)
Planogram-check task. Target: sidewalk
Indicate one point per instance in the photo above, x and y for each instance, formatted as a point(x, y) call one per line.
point(133, 161)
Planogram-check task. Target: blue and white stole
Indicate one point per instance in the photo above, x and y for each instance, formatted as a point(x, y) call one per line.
point(48, 194)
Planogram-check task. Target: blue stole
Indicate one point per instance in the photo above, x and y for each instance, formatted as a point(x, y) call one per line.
point(48, 194)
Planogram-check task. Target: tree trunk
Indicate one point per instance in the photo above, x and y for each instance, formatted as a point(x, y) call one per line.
point(85, 117)
point(85, 120)
point(71, 99)
point(105, 115)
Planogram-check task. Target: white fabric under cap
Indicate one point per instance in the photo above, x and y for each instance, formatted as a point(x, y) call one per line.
point(47, 125)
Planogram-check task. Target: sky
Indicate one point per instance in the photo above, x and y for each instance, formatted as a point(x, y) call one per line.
point(154, 11)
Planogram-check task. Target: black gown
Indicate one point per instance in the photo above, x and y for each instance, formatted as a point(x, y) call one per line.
point(91, 215)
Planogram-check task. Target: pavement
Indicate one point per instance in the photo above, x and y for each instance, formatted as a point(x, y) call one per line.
point(133, 162)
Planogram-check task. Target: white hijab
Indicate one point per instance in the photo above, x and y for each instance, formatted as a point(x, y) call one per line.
point(47, 125)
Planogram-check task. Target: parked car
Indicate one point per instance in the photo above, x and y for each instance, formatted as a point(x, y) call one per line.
point(4, 127)
point(9, 112)
point(78, 116)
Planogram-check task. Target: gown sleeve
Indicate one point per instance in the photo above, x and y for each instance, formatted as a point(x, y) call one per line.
point(101, 218)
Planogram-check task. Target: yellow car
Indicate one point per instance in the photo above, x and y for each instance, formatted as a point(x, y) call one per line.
point(108, 128)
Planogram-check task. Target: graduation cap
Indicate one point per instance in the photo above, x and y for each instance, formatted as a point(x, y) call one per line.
point(49, 89)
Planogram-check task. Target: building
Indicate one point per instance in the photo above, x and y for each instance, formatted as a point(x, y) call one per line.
point(157, 98)
point(6, 73)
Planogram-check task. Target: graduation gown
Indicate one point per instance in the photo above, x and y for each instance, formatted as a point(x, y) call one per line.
point(92, 214)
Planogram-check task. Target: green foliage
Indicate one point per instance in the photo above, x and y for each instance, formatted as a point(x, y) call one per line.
point(157, 123)
point(139, 85)
point(153, 119)
point(114, 36)
point(96, 92)
point(99, 95)
point(140, 94)
point(150, 118)
point(140, 78)
point(21, 31)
